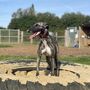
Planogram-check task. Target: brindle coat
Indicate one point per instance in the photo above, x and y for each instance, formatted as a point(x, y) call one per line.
point(48, 47)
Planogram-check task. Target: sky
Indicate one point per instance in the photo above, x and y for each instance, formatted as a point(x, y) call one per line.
point(58, 7)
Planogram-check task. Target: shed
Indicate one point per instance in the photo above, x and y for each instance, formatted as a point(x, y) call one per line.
point(71, 36)
point(78, 37)
point(84, 35)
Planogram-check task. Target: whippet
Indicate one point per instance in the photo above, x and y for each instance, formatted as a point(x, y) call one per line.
point(48, 46)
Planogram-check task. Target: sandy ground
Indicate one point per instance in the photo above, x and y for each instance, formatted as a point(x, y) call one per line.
point(68, 73)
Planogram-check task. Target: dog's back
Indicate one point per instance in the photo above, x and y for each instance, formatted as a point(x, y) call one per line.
point(53, 41)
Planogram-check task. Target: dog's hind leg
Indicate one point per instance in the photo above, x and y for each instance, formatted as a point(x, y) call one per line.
point(52, 67)
point(48, 70)
point(38, 64)
point(49, 62)
point(56, 67)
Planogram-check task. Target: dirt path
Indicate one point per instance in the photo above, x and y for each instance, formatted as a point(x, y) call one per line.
point(31, 50)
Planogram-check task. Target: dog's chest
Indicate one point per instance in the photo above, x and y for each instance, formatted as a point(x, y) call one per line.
point(46, 49)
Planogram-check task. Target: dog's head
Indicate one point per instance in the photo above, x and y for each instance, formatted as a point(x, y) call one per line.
point(39, 29)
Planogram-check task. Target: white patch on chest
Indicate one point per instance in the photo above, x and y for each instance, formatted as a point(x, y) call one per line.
point(46, 50)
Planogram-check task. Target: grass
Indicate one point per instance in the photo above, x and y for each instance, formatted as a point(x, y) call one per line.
point(72, 59)
point(11, 58)
point(4, 46)
point(79, 59)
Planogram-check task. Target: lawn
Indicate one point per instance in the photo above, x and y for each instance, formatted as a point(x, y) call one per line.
point(78, 59)
point(5, 46)
point(71, 59)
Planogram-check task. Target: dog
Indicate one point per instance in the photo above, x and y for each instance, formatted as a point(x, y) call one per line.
point(48, 46)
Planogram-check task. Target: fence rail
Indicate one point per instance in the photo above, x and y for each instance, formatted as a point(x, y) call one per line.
point(13, 36)
point(60, 39)
point(9, 36)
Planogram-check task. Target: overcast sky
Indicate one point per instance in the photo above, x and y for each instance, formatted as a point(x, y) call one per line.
point(58, 7)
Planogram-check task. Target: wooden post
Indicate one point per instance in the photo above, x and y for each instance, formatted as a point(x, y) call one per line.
point(21, 36)
point(56, 35)
point(79, 35)
point(0, 36)
point(18, 36)
point(9, 37)
point(67, 38)
point(31, 41)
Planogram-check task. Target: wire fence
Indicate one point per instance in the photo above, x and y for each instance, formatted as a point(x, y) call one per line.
point(15, 36)
point(9, 36)
point(60, 39)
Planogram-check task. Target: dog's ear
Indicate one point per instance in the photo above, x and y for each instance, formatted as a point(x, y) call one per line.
point(47, 26)
point(29, 30)
point(36, 24)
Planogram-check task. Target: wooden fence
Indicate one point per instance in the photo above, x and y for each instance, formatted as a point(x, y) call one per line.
point(9, 36)
point(15, 36)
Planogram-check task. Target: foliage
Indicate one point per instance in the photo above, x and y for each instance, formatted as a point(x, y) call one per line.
point(73, 19)
point(23, 19)
point(27, 12)
point(22, 23)
point(51, 19)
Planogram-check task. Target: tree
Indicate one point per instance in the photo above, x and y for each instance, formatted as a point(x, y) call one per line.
point(22, 23)
point(26, 12)
point(32, 10)
point(50, 18)
point(23, 19)
point(87, 19)
point(14, 24)
point(17, 14)
point(72, 19)
point(2, 27)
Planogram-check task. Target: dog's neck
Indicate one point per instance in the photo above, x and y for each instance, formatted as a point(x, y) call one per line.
point(46, 50)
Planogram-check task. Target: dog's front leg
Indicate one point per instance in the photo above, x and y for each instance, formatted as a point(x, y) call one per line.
point(38, 64)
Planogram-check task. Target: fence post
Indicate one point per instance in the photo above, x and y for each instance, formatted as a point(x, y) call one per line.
point(31, 41)
point(21, 36)
point(0, 36)
point(18, 36)
point(56, 35)
point(79, 37)
point(9, 37)
point(67, 38)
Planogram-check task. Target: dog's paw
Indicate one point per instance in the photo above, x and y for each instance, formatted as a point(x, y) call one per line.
point(37, 73)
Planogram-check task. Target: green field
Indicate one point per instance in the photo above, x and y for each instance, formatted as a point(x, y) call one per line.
point(71, 59)
point(79, 59)
point(5, 45)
